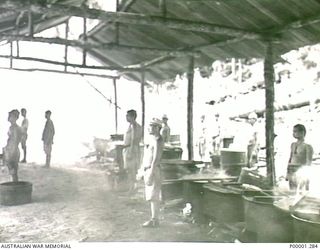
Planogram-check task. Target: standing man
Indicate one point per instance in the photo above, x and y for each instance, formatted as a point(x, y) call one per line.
point(151, 171)
point(131, 151)
point(47, 137)
point(11, 150)
point(301, 155)
point(253, 145)
point(165, 131)
point(24, 134)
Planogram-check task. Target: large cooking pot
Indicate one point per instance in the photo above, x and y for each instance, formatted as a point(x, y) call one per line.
point(232, 161)
point(222, 202)
point(265, 222)
point(306, 221)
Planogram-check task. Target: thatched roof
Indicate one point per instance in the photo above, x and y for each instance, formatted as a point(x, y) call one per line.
point(160, 36)
point(233, 28)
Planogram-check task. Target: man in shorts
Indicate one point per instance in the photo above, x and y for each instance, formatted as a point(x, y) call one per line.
point(47, 137)
point(11, 150)
point(151, 171)
point(131, 151)
point(24, 134)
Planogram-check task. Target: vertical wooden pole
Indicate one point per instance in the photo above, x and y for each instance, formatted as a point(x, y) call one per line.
point(84, 52)
point(66, 46)
point(115, 103)
point(11, 54)
point(269, 98)
point(233, 68)
point(117, 25)
point(163, 7)
point(190, 75)
point(30, 23)
point(240, 71)
point(143, 102)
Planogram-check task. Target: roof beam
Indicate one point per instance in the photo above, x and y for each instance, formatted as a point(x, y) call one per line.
point(121, 69)
point(61, 72)
point(109, 46)
point(129, 18)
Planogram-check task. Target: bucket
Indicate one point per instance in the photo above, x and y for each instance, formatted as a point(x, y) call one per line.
point(222, 202)
point(232, 161)
point(15, 193)
point(266, 222)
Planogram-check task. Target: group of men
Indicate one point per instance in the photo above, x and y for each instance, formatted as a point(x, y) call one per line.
point(18, 135)
point(149, 169)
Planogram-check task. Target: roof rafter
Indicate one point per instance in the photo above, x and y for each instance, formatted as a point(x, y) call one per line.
point(129, 18)
point(110, 46)
point(120, 69)
point(61, 72)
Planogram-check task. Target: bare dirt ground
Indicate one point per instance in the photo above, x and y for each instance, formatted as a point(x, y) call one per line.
point(76, 204)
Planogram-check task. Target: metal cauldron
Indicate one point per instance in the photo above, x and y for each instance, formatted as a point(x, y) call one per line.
point(223, 202)
point(265, 222)
point(306, 221)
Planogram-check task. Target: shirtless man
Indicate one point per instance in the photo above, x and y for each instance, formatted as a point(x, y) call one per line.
point(301, 155)
point(131, 151)
point(11, 150)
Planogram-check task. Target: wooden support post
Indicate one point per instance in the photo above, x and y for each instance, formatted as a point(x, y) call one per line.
point(115, 104)
point(269, 98)
point(11, 54)
point(117, 25)
point(143, 103)
point(190, 75)
point(84, 54)
point(240, 71)
point(66, 46)
point(163, 7)
point(30, 23)
point(18, 31)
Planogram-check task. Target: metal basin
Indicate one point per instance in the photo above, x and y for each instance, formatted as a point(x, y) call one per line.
point(265, 222)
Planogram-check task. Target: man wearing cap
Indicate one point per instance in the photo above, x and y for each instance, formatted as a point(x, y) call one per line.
point(11, 150)
point(150, 169)
point(47, 137)
point(165, 131)
point(131, 151)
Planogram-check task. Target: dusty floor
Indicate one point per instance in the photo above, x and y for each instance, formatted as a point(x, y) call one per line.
point(76, 204)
